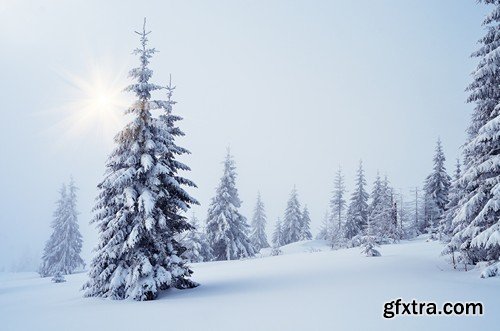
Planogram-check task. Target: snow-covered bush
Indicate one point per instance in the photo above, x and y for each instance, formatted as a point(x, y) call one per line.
point(275, 251)
point(491, 270)
point(58, 278)
point(368, 247)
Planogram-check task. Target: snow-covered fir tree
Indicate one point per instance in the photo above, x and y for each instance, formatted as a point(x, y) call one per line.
point(306, 225)
point(381, 212)
point(142, 200)
point(292, 221)
point(62, 251)
point(454, 197)
point(477, 221)
point(258, 235)
point(437, 186)
point(388, 225)
point(417, 209)
point(369, 241)
point(277, 239)
point(227, 230)
point(407, 226)
point(195, 241)
point(58, 278)
point(357, 212)
point(337, 209)
point(451, 225)
point(395, 230)
point(205, 248)
point(325, 230)
point(376, 206)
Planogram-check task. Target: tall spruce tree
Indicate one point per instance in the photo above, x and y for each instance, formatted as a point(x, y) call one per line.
point(306, 225)
point(195, 241)
point(227, 230)
point(437, 187)
point(337, 209)
point(292, 222)
point(455, 195)
point(418, 218)
point(325, 230)
point(141, 203)
point(477, 222)
point(277, 234)
point(61, 255)
point(258, 235)
point(389, 221)
point(394, 228)
point(357, 212)
point(451, 225)
point(376, 207)
point(381, 212)
point(407, 225)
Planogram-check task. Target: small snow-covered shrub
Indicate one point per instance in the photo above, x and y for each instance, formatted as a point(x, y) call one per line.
point(356, 241)
point(58, 278)
point(276, 251)
point(368, 247)
point(491, 271)
point(370, 252)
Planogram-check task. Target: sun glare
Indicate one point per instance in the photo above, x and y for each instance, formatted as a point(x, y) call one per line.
point(95, 105)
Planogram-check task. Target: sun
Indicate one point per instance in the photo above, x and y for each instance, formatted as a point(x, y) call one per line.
point(103, 101)
point(95, 103)
point(100, 97)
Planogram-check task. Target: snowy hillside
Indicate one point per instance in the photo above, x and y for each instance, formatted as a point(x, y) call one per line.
point(306, 246)
point(303, 289)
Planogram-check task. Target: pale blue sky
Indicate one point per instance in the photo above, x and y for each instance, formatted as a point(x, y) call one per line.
point(294, 87)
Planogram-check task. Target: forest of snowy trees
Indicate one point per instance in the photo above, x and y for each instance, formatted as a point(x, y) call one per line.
point(146, 241)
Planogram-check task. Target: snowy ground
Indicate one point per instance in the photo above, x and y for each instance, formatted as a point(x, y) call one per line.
point(304, 289)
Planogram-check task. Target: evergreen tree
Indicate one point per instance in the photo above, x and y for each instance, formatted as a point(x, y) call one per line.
point(376, 207)
point(369, 241)
point(205, 249)
point(450, 226)
point(62, 251)
point(337, 208)
point(325, 230)
point(258, 236)
point(408, 227)
point(278, 234)
point(292, 222)
point(383, 212)
point(455, 195)
point(195, 241)
point(227, 230)
point(389, 221)
point(277, 239)
point(477, 221)
point(437, 188)
point(58, 278)
point(140, 206)
point(395, 230)
point(306, 225)
point(418, 212)
point(357, 212)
